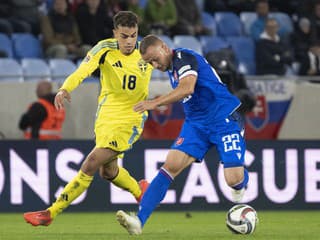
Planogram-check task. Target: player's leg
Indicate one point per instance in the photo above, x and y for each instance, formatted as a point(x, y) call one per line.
point(191, 144)
point(96, 158)
point(237, 178)
point(231, 148)
point(120, 136)
point(120, 177)
point(175, 162)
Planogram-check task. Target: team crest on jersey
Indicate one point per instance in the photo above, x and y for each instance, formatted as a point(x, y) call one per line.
point(142, 65)
point(259, 116)
point(162, 114)
point(179, 141)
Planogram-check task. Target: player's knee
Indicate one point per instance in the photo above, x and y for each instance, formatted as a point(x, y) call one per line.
point(234, 176)
point(108, 173)
point(233, 181)
point(90, 165)
point(171, 169)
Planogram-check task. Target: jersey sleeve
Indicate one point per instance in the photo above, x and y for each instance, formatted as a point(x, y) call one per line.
point(88, 65)
point(186, 64)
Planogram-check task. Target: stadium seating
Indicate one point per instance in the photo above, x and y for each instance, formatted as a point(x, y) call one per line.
point(228, 24)
point(209, 22)
point(10, 70)
point(60, 69)
point(187, 41)
point(25, 45)
point(35, 69)
point(247, 18)
point(159, 75)
point(244, 49)
point(285, 22)
point(6, 45)
point(167, 40)
point(212, 43)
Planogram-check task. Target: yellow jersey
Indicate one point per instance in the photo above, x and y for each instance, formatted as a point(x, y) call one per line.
point(124, 78)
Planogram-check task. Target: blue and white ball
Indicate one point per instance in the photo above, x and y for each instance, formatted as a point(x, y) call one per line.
point(242, 219)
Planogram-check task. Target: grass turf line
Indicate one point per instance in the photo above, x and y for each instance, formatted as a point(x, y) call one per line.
point(276, 225)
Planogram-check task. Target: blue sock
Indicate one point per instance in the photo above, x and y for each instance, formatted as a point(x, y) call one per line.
point(244, 182)
point(154, 195)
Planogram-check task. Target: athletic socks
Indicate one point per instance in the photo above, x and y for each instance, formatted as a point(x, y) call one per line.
point(71, 191)
point(125, 181)
point(154, 195)
point(244, 182)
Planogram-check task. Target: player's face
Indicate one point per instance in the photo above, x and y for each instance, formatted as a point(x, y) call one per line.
point(158, 56)
point(127, 38)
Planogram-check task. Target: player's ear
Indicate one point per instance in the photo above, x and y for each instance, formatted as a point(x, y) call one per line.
point(165, 47)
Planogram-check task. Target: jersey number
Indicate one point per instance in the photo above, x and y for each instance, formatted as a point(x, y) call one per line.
point(231, 142)
point(129, 82)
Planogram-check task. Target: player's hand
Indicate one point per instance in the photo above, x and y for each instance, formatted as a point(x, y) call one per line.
point(59, 99)
point(145, 105)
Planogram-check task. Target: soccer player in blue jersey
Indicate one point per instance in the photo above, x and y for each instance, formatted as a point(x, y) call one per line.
point(211, 120)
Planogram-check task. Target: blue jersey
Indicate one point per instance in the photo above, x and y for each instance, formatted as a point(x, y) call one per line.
point(211, 101)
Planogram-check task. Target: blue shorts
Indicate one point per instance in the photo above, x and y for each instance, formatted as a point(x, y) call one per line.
point(227, 136)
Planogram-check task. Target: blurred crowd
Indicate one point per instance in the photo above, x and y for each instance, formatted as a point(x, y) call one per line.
point(69, 28)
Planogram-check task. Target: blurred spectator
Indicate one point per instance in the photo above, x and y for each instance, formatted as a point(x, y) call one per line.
point(114, 6)
point(60, 32)
point(257, 27)
point(189, 19)
point(272, 55)
point(212, 6)
point(315, 22)
point(27, 11)
point(10, 24)
point(134, 6)
point(160, 16)
point(310, 63)
point(304, 8)
point(42, 120)
point(302, 38)
point(238, 6)
point(5, 12)
point(262, 11)
point(93, 22)
point(289, 6)
point(223, 62)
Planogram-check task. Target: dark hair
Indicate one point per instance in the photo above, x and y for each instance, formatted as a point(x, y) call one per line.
point(147, 41)
point(125, 19)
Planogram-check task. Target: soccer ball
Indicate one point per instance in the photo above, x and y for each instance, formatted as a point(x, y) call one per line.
point(242, 219)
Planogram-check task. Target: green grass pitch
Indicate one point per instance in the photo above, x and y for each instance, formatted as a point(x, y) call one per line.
point(273, 225)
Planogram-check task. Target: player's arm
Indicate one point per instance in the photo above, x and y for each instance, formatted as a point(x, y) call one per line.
point(85, 69)
point(187, 69)
point(185, 88)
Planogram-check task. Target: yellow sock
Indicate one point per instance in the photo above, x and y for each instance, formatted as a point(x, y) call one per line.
point(126, 182)
point(70, 192)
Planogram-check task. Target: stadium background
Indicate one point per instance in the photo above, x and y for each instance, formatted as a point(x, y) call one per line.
point(30, 174)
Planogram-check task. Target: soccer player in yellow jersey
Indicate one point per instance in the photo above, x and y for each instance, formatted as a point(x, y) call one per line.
point(124, 82)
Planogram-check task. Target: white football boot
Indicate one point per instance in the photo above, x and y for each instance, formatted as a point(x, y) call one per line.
point(130, 222)
point(237, 195)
